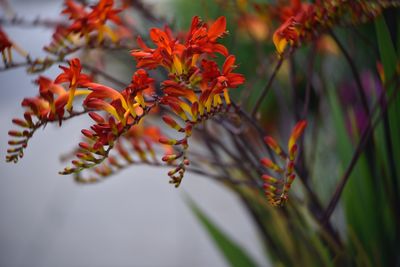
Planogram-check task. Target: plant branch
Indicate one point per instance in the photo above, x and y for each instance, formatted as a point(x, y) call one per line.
point(267, 87)
point(51, 62)
point(354, 71)
point(19, 21)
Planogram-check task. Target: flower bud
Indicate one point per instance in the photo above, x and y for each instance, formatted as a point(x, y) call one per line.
point(270, 165)
point(15, 133)
point(96, 117)
point(21, 123)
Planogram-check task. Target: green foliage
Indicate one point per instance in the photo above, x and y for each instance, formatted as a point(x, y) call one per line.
point(235, 255)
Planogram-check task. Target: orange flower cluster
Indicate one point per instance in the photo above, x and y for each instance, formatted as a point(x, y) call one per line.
point(49, 105)
point(276, 189)
point(305, 21)
point(124, 110)
point(196, 88)
point(90, 24)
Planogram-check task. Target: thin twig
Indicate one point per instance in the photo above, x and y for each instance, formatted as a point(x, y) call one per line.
point(355, 73)
point(146, 11)
point(94, 69)
point(19, 21)
point(105, 75)
point(310, 72)
point(267, 87)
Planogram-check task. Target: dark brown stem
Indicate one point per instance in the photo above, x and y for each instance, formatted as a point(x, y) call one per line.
point(15, 66)
point(310, 72)
point(257, 127)
point(41, 123)
point(355, 73)
point(146, 11)
point(94, 69)
point(293, 85)
point(105, 75)
point(267, 87)
point(18, 21)
point(212, 143)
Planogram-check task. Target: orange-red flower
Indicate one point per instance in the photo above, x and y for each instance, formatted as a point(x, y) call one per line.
point(52, 99)
point(94, 21)
point(88, 23)
point(74, 10)
point(177, 57)
point(215, 82)
point(54, 94)
point(203, 39)
point(74, 77)
point(123, 106)
point(229, 79)
point(140, 85)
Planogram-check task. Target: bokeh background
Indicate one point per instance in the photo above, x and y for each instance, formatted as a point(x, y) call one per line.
point(133, 219)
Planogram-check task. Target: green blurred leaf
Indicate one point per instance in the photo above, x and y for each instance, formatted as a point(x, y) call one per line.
point(359, 188)
point(233, 253)
point(389, 61)
point(386, 47)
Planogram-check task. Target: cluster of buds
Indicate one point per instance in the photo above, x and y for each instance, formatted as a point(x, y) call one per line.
point(276, 189)
point(100, 140)
point(6, 47)
point(305, 21)
point(20, 138)
point(178, 172)
point(196, 89)
point(91, 23)
point(138, 145)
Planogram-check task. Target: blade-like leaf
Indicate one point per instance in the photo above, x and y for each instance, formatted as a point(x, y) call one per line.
point(389, 61)
point(233, 253)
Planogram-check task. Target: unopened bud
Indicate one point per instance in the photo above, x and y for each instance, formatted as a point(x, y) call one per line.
point(21, 123)
point(96, 117)
point(15, 133)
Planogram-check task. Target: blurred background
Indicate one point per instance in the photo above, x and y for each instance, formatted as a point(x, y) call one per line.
point(133, 219)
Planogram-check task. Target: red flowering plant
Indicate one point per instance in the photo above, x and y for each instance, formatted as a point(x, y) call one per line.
point(89, 23)
point(194, 105)
point(195, 90)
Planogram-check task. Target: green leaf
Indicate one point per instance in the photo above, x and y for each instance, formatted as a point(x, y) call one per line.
point(359, 188)
point(389, 61)
point(233, 253)
point(386, 47)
